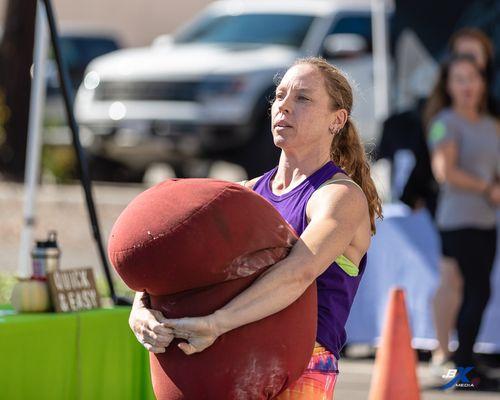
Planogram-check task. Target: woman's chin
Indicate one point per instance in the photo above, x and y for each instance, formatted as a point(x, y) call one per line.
point(468, 104)
point(280, 141)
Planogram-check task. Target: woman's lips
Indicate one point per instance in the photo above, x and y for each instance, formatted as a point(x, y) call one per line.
point(279, 128)
point(282, 125)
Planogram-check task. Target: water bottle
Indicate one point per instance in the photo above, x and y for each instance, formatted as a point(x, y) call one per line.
point(45, 256)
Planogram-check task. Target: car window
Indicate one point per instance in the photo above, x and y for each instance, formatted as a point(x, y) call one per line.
point(70, 53)
point(284, 29)
point(82, 50)
point(77, 52)
point(354, 23)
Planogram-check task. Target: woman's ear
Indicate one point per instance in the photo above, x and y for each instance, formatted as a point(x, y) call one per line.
point(339, 120)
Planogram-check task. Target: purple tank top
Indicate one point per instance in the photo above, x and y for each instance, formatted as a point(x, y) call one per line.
point(336, 289)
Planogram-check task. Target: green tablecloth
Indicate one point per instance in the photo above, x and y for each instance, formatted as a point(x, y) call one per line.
point(85, 355)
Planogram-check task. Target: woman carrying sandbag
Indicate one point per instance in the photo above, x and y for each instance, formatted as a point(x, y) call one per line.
point(322, 187)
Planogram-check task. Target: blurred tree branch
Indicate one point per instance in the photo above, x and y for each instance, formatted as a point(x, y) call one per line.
point(16, 58)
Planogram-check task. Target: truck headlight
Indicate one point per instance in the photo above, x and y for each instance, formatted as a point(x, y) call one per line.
point(91, 80)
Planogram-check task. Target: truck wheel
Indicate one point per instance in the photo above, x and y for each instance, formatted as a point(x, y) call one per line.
point(104, 169)
point(192, 168)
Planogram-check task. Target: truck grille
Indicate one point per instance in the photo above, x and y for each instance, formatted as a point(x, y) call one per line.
point(177, 91)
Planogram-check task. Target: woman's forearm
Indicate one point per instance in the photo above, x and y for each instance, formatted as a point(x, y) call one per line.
point(466, 181)
point(141, 300)
point(272, 292)
point(446, 170)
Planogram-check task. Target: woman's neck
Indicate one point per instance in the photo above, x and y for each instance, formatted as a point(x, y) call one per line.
point(294, 168)
point(468, 113)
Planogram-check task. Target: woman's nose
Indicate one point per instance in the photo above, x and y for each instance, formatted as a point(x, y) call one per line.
point(284, 105)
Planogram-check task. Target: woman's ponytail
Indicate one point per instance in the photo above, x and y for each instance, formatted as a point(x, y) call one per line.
point(349, 154)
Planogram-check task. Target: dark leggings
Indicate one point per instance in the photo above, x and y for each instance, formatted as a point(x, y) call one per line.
point(474, 251)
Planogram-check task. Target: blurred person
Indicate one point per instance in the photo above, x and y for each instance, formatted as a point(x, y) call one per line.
point(465, 150)
point(403, 144)
point(403, 141)
point(476, 43)
point(322, 187)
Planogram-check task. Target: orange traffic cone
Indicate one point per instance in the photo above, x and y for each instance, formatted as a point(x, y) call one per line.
point(395, 375)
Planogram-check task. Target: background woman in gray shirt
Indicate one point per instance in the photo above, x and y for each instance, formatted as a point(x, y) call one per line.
point(465, 150)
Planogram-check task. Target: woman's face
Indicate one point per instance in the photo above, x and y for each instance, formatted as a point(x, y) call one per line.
point(301, 112)
point(465, 85)
point(473, 48)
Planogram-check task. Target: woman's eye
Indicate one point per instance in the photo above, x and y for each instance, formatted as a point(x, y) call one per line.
point(303, 98)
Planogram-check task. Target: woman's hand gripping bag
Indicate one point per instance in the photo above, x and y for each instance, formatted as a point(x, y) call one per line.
point(193, 245)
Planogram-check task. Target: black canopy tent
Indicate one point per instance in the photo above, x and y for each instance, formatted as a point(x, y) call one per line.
point(435, 21)
point(432, 21)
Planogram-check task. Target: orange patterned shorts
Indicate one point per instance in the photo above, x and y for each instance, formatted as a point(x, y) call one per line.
point(318, 380)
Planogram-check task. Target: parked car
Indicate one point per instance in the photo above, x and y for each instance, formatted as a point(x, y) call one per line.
point(204, 92)
point(79, 48)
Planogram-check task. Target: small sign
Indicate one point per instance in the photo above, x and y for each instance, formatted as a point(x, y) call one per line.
point(73, 290)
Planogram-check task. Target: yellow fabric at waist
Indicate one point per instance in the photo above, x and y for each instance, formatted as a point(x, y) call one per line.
point(347, 265)
point(318, 348)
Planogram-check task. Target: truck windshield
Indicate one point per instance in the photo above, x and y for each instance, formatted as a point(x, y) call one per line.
point(284, 29)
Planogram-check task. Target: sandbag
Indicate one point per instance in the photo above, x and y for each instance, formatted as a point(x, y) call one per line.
point(193, 245)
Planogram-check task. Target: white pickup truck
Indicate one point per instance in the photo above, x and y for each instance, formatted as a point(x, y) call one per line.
point(203, 92)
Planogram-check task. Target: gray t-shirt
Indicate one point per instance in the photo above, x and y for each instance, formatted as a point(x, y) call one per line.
point(478, 154)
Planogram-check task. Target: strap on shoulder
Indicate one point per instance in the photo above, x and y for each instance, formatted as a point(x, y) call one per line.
point(330, 181)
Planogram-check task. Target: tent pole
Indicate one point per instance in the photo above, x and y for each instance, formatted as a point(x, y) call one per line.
point(380, 59)
point(34, 145)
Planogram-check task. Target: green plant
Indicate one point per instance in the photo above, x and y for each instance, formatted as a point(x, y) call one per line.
point(6, 284)
point(120, 288)
point(60, 161)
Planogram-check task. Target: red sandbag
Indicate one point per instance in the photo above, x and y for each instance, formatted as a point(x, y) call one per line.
point(193, 245)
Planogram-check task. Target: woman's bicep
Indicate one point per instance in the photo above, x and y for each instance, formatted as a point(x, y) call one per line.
point(336, 216)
